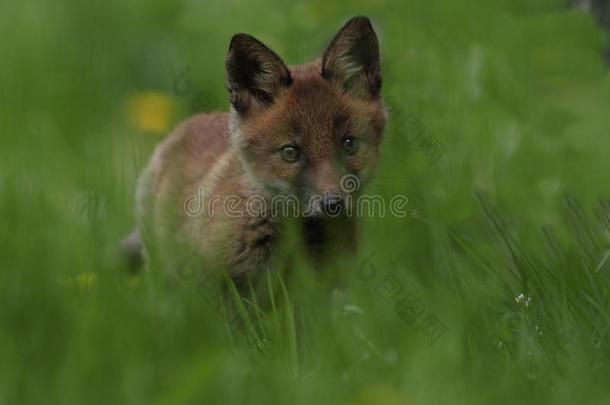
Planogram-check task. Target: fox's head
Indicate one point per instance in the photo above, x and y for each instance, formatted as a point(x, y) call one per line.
point(312, 131)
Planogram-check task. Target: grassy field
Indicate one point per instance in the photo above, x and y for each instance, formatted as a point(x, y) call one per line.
point(494, 289)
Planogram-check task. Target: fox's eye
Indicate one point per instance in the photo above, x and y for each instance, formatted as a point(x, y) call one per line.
point(350, 145)
point(290, 153)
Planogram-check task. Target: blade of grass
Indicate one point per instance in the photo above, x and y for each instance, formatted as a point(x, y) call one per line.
point(241, 310)
point(290, 329)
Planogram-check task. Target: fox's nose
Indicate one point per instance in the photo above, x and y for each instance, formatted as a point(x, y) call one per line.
point(332, 205)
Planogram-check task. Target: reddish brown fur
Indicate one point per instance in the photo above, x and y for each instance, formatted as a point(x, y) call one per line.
point(239, 155)
point(312, 106)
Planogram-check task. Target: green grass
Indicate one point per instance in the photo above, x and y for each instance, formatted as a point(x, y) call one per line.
point(515, 91)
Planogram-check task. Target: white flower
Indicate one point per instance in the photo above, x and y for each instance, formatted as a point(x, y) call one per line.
point(523, 299)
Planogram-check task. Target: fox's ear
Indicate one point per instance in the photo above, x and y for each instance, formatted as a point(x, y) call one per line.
point(255, 74)
point(351, 61)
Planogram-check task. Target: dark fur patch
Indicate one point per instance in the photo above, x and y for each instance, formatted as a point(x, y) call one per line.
point(315, 232)
point(341, 123)
point(355, 46)
point(255, 74)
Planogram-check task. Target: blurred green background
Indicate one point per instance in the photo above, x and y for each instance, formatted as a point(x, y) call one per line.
point(494, 289)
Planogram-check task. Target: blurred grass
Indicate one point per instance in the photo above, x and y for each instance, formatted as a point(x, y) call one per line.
point(517, 93)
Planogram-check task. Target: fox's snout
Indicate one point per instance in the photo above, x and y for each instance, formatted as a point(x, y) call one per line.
point(324, 187)
point(332, 204)
point(326, 204)
point(327, 187)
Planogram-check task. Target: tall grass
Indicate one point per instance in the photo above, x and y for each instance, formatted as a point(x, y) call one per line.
point(493, 289)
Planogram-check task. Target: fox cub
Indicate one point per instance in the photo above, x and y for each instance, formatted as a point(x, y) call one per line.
point(305, 138)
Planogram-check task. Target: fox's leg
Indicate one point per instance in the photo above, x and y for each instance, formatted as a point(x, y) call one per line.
point(255, 239)
point(132, 250)
point(133, 246)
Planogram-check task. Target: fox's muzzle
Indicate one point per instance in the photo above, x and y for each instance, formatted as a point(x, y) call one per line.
point(332, 205)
